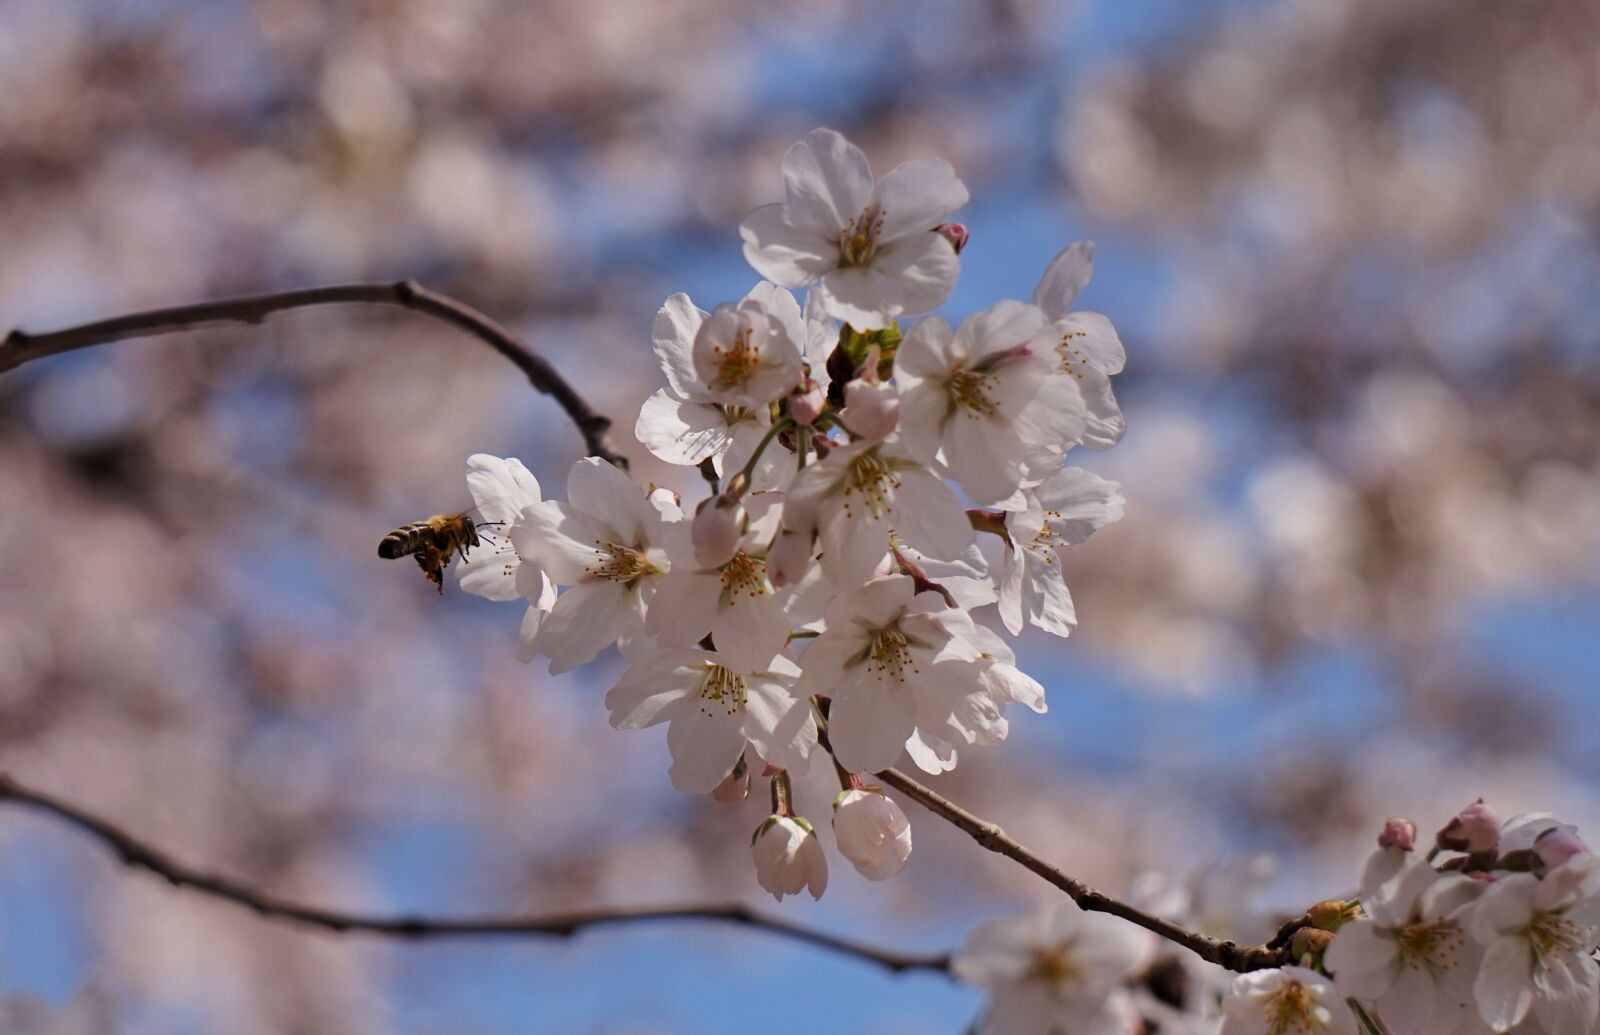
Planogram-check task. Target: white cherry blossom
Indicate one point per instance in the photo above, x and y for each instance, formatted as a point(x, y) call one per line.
point(1285, 1000)
point(500, 489)
point(1087, 347)
point(1060, 970)
point(1538, 937)
point(858, 493)
point(748, 354)
point(716, 707)
point(1409, 957)
point(894, 662)
point(963, 391)
point(735, 602)
point(872, 832)
point(869, 250)
point(789, 858)
point(606, 543)
point(1064, 511)
point(686, 422)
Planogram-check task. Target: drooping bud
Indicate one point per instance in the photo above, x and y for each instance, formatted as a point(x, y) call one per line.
point(872, 832)
point(789, 558)
point(788, 857)
point(807, 402)
point(1474, 829)
point(1556, 845)
point(735, 787)
point(716, 530)
point(1398, 833)
point(955, 233)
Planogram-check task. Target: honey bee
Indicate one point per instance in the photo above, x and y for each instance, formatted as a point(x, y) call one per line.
point(433, 543)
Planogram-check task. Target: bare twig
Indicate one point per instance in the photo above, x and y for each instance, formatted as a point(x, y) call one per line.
point(1226, 954)
point(20, 347)
point(140, 855)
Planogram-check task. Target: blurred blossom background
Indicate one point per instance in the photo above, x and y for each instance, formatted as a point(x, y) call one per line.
point(1351, 246)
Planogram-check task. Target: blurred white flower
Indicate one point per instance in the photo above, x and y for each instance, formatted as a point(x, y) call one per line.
point(871, 251)
point(872, 832)
point(1059, 970)
point(1284, 1000)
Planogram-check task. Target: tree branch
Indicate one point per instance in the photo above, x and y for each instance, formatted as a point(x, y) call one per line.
point(141, 855)
point(1226, 954)
point(20, 347)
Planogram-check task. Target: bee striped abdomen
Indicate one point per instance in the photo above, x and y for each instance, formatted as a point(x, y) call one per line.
point(405, 540)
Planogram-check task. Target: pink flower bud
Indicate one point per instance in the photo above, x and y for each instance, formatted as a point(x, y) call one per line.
point(789, 857)
point(1556, 845)
point(955, 233)
point(789, 558)
point(1398, 833)
point(1474, 829)
point(807, 402)
point(870, 410)
point(716, 531)
point(872, 832)
point(734, 788)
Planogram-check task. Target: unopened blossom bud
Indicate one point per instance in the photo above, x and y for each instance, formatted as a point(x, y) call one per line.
point(716, 530)
point(735, 787)
point(789, 857)
point(1474, 829)
point(807, 402)
point(1398, 833)
point(1309, 941)
point(955, 233)
point(1329, 915)
point(871, 409)
point(1556, 845)
point(789, 558)
point(872, 832)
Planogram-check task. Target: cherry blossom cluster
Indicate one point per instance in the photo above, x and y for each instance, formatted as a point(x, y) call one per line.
point(1491, 930)
point(887, 494)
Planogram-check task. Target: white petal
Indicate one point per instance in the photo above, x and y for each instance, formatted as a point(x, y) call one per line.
point(782, 254)
point(852, 545)
point(781, 725)
point(586, 619)
point(1049, 603)
point(925, 351)
point(1066, 275)
point(500, 488)
point(1083, 502)
point(929, 516)
point(1363, 961)
point(869, 724)
point(827, 182)
point(647, 691)
point(1011, 576)
point(557, 539)
point(918, 196)
point(1504, 988)
point(923, 267)
point(1090, 339)
point(705, 742)
point(985, 456)
point(527, 636)
point(681, 432)
point(604, 493)
point(685, 604)
point(672, 337)
point(492, 570)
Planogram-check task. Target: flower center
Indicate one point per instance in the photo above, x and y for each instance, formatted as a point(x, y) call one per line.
point(858, 242)
point(1294, 1011)
point(1048, 538)
point(736, 362)
point(743, 576)
point(889, 652)
point(1436, 944)
point(968, 392)
point(618, 563)
point(721, 689)
point(1054, 967)
point(870, 484)
point(1550, 933)
point(1073, 359)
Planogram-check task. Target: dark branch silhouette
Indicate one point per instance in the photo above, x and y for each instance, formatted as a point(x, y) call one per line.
point(141, 855)
point(20, 347)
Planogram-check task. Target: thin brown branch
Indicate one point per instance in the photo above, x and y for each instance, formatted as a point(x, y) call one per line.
point(1223, 953)
point(20, 347)
point(141, 855)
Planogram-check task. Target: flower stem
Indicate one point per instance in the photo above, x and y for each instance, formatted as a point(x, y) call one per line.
point(761, 447)
point(781, 794)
